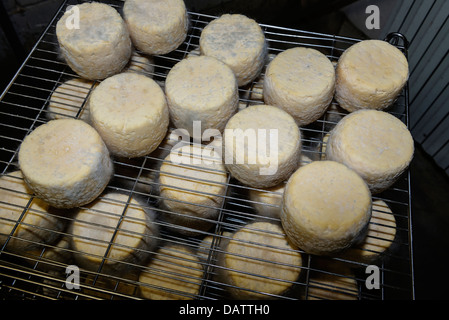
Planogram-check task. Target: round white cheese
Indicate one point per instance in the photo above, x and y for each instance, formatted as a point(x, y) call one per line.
point(69, 100)
point(326, 207)
point(192, 187)
point(259, 261)
point(268, 202)
point(174, 273)
point(239, 42)
point(370, 75)
point(302, 82)
point(254, 129)
point(118, 221)
point(130, 112)
point(155, 26)
point(201, 89)
point(98, 45)
point(40, 224)
point(65, 162)
point(379, 238)
point(375, 144)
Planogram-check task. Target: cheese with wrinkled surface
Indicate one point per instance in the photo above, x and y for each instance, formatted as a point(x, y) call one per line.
point(261, 169)
point(375, 144)
point(130, 112)
point(65, 162)
point(201, 89)
point(326, 208)
point(100, 46)
point(370, 75)
point(239, 42)
point(302, 82)
point(156, 26)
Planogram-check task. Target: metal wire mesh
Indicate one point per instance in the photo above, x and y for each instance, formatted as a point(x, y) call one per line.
point(179, 262)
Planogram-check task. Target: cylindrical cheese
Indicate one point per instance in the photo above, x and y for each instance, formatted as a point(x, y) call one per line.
point(141, 63)
point(155, 26)
point(268, 201)
point(370, 75)
point(375, 144)
point(40, 224)
point(302, 82)
point(262, 145)
point(175, 273)
point(94, 40)
point(192, 187)
point(116, 228)
point(379, 238)
point(259, 262)
point(130, 112)
point(239, 42)
point(201, 89)
point(69, 100)
point(326, 208)
point(65, 162)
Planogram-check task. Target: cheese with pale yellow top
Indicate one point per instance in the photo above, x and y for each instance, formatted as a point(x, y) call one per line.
point(370, 75)
point(130, 112)
point(65, 162)
point(302, 82)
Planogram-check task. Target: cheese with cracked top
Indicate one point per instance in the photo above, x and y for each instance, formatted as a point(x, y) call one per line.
point(118, 220)
point(99, 46)
point(175, 273)
point(326, 208)
point(375, 144)
point(65, 162)
point(40, 224)
point(239, 42)
point(201, 89)
point(254, 129)
point(370, 75)
point(258, 261)
point(156, 26)
point(69, 100)
point(302, 82)
point(192, 187)
point(130, 112)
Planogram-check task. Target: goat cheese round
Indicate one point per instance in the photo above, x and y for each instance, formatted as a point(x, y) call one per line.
point(259, 261)
point(201, 89)
point(326, 207)
point(40, 224)
point(239, 42)
point(192, 187)
point(116, 220)
point(155, 26)
point(262, 145)
point(69, 100)
point(94, 40)
point(141, 63)
point(175, 273)
point(375, 144)
point(370, 75)
point(302, 82)
point(65, 163)
point(130, 112)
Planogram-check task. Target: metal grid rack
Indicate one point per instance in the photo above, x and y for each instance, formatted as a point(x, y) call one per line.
point(38, 274)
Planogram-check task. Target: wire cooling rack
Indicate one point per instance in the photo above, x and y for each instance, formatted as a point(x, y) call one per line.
point(42, 273)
